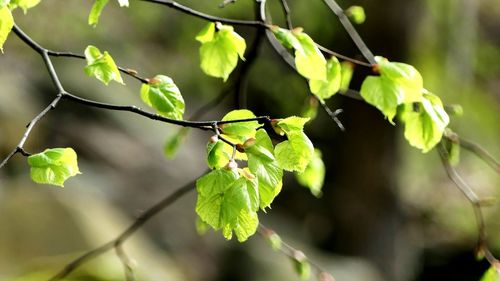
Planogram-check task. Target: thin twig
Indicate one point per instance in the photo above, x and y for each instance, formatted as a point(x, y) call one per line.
point(20, 146)
point(472, 197)
point(287, 13)
point(349, 28)
point(189, 11)
point(474, 148)
point(290, 251)
point(118, 241)
point(127, 263)
point(340, 56)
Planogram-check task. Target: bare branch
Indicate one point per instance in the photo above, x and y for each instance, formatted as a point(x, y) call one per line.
point(349, 28)
point(118, 241)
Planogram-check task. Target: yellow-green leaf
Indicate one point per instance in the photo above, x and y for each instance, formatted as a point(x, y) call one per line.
point(163, 95)
point(6, 24)
point(314, 174)
point(53, 166)
point(324, 89)
point(101, 66)
point(220, 49)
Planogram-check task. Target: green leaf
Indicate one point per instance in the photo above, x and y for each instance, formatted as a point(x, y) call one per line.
point(314, 174)
point(23, 4)
point(309, 60)
point(240, 130)
point(220, 50)
point(310, 108)
point(324, 89)
point(356, 14)
point(492, 274)
point(96, 11)
point(398, 83)
point(6, 24)
point(292, 124)
point(301, 265)
point(295, 153)
point(163, 95)
point(346, 72)
point(173, 143)
point(101, 66)
point(53, 166)
point(286, 38)
point(383, 94)
point(263, 165)
point(228, 202)
point(275, 241)
point(404, 76)
point(424, 127)
point(201, 226)
point(216, 156)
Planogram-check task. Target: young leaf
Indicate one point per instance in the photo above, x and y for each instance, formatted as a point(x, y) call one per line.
point(96, 11)
point(301, 265)
point(324, 89)
point(101, 66)
point(398, 83)
point(163, 95)
point(310, 108)
point(6, 24)
point(23, 4)
point(220, 50)
point(53, 166)
point(240, 130)
point(216, 156)
point(492, 274)
point(314, 174)
point(356, 14)
point(263, 165)
point(295, 153)
point(346, 71)
point(228, 202)
point(173, 143)
point(309, 60)
point(383, 94)
point(424, 128)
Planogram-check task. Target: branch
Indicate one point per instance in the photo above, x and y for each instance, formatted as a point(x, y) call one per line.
point(189, 11)
point(118, 241)
point(349, 28)
point(20, 146)
point(286, 11)
point(293, 253)
point(472, 197)
point(474, 148)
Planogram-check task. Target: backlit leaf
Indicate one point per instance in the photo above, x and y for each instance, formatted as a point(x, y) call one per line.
point(53, 166)
point(295, 153)
point(324, 89)
point(314, 174)
point(23, 4)
point(346, 72)
point(96, 11)
point(163, 95)
point(425, 126)
point(220, 49)
point(356, 14)
point(240, 130)
point(216, 156)
point(492, 274)
point(6, 24)
point(101, 66)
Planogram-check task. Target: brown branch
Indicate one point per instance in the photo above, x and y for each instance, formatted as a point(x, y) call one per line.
point(292, 253)
point(349, 28)
point(468, 192)
point(475, 148)
point(118, 241)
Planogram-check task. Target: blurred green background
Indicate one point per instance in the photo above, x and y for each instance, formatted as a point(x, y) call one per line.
point(388, 212)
